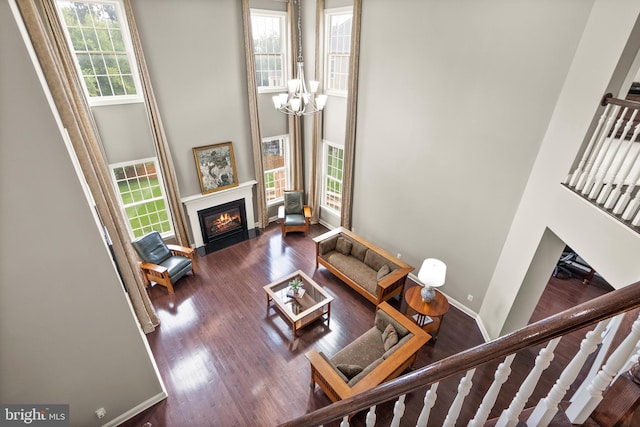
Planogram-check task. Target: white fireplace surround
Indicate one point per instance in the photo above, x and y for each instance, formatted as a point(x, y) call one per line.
point(198, 202)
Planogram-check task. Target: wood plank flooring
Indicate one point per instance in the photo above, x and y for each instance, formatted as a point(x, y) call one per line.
point(227, 360)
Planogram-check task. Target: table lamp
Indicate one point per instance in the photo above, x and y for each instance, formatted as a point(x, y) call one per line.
point(432, 274)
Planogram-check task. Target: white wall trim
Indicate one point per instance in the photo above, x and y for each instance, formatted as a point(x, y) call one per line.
point(137, 409)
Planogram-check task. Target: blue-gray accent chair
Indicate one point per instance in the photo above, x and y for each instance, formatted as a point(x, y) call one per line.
point(161, 263)
point(294, 215)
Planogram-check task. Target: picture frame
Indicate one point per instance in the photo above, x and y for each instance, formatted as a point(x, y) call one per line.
point(216, 167)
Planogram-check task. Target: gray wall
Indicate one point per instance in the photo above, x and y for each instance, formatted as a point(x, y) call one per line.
point(454, 100)
point(67, 333)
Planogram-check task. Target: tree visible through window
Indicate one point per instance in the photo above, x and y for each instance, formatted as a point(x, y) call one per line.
point(142, 197)
point(274, 163)
point(333, 169)
point(269, 47)
point(98, 36)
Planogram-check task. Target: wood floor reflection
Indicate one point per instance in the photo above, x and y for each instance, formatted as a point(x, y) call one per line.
point(227, 360)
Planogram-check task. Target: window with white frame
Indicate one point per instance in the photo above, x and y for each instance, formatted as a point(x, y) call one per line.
point(338, 49)
point(275, 162)
point(98, 35)
point(268, 29)
point(332, 176)
point(142, 198)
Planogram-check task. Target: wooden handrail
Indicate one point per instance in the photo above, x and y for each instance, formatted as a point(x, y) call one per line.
point(609, 99)
point(578, 317)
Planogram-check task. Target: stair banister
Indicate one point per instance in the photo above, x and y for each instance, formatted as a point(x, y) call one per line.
point(578, 317)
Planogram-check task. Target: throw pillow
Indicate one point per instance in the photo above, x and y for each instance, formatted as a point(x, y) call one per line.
point(384, 270)
point(343, 246)
point(389, 337)
point(349, 371)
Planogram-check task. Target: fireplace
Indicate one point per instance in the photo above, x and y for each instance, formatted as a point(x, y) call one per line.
point(223, 225)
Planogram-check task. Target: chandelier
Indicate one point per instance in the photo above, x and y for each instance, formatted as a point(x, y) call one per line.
point(299, 101)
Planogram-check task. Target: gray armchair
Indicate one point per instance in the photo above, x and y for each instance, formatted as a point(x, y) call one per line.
point(161, 263)
point(294, 215)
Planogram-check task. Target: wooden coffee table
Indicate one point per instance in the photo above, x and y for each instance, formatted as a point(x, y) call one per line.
point(303, 309)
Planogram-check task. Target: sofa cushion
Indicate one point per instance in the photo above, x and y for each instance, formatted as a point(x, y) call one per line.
point(384, 270)
point(343, 246)
point(389, 337)
point(354, 269)
point(349, 371)
point(400, 343)
point(383, 319)
point(367, 348)
point(358, 250)
point(374, 259)
point(338, 371)
point(327, 246)
point(365, 372)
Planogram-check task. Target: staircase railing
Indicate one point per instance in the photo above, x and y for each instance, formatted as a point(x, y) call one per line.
point(548, 330)
point(608, 172)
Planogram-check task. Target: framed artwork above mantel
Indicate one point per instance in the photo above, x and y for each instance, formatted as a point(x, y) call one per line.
point(216, 167)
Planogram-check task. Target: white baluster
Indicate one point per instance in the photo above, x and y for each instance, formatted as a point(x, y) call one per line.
point(463, 390)
point(509, 417)
point(624, 176)
point(597, 171)
point(429, 401)
point(548, 407)
point(584, 404)
point(596, 150)
point(371, 417)
point(610, 173)
point(501, 375)
point(572, 179)
point(398, 411)
point(345, 421)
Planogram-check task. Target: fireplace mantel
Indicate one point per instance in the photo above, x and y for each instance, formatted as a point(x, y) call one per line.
point(198, 202)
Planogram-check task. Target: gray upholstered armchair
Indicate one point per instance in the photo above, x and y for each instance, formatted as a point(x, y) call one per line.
point(294, 215)
point(161, 263)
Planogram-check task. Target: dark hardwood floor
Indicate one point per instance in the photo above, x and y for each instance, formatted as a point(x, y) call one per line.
point(228, 361)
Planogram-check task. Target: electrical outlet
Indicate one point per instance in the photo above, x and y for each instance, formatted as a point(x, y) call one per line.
point(101, 413)
point(399, 255)
point(469, 297)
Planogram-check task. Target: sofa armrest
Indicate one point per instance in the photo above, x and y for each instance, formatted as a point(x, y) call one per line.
point(153, 268)
point(394, 276)
point(327, 378)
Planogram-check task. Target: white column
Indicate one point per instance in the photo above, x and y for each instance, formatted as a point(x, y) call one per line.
point(398, 411)
point(501, 375)
point(584, 404)
point(429, 401)
point(463, 390)
point(509, 417)
point(572, 180)
point(371, 417)
point(547, 407)
point(624, 174)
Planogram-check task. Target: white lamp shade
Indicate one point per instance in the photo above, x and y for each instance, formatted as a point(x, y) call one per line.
point(432, 272)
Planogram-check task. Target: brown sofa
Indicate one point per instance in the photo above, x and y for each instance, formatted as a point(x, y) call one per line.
point(371, 359)
point(371, 271)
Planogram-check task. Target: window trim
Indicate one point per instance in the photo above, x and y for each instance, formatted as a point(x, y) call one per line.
point(287, 166)
point(126, 38)
point(328, 13)
point(121, 205)
point(284, 42)
point(325, 176)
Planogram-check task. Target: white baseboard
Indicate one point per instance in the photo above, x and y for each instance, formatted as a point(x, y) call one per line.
point(137, 409)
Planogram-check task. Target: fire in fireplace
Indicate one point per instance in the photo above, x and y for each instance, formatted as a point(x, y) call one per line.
point(223, 225)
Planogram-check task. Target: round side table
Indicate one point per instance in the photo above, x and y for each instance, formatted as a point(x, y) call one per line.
point(428, 315)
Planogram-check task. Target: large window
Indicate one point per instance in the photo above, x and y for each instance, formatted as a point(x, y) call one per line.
point(332, 176)
point(275, 161)
point(98, 35)
point(270, 48)
point(338, 48)
point(142, 197)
